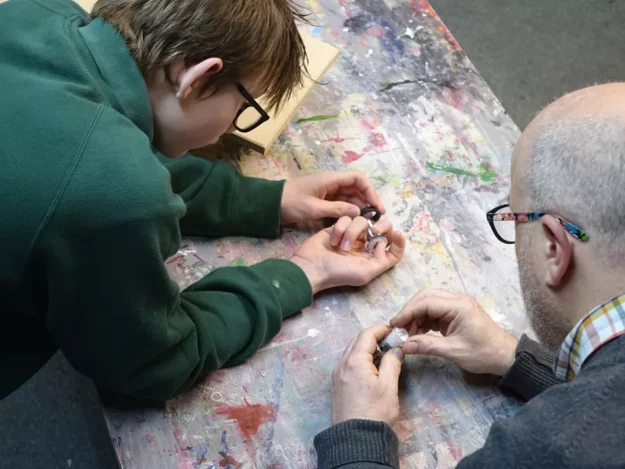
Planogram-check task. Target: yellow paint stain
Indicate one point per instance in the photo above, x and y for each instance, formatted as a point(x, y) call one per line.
point(487, 302)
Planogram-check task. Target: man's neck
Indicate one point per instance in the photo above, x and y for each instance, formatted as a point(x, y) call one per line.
point(586, 296)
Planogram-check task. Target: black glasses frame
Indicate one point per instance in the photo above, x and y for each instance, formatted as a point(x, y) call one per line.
point(250, 102)
point(525, 217)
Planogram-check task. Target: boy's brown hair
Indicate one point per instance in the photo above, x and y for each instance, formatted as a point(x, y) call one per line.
point(252, 37)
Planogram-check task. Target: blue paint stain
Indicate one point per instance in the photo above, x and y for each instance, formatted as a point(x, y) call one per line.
point(391, 43)
point(317, 30)
point(224, 443)
point(277, 385)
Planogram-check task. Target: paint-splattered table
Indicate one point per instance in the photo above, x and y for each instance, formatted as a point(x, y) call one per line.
point(404, 105)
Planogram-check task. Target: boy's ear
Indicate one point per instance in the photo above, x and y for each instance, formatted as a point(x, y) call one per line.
point(189, 77)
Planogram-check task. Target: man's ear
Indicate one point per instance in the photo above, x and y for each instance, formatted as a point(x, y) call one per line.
point(558, 251)
point(189, 77)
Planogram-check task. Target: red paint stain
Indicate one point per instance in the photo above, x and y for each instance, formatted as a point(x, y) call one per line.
point(423, 6)
point(351, 156)
point(377, 140)
point(245, 388)
point(336, 140)
point(228, 461)
point(249, 417)
point(454, 451)
point(455, 98)
point(295, 352)
point(492, 190)
point(376, 31)
point(343, 4)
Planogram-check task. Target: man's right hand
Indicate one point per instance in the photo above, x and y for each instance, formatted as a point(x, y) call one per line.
point(471, 339)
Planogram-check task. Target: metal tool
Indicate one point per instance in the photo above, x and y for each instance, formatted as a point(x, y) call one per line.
point(372, 215)
point(397, 337)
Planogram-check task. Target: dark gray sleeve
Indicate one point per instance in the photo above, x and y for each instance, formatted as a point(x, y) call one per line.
point(532, 370)
point(358, 444)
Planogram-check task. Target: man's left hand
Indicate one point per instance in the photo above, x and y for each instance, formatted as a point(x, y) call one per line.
point(327, 195)
point(359, 389)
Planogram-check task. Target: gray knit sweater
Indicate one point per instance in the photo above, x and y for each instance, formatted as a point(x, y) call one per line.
point(580, 424)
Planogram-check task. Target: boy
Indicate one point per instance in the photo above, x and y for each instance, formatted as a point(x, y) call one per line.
point(95, 119)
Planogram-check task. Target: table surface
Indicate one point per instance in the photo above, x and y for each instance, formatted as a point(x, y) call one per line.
point(405, 105)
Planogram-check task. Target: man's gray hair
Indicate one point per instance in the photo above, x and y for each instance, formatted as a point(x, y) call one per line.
point(577, 170)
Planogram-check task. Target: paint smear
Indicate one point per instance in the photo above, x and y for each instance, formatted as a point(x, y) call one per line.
point(249, 417)
point(351, 156)
point(313, 332)
point(485, 174)
point(320, 118)
point(238, 262)
point(228, 461)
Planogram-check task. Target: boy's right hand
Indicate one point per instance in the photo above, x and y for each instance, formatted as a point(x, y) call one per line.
point(336, 256)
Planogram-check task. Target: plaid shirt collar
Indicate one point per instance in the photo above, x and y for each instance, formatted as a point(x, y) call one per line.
point(601, 325)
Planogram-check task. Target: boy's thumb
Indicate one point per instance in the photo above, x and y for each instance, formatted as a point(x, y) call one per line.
point(337, 209)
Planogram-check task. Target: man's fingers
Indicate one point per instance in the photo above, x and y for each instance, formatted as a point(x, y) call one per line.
point(390, 368)
point(428, 307)
point(368, 339)
point(431, 345)
point(338, 230)
point(349, 348)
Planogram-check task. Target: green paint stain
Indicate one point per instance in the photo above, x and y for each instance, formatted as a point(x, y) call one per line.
point(316, 119)
point(485, 174)
point(451, 170)
point(239, 262)
point(383, 84)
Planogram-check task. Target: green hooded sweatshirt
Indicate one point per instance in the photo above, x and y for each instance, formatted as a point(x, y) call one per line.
point(90, 212)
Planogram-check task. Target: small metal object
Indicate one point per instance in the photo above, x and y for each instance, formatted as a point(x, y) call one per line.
point(397, 337)
point(372, 215)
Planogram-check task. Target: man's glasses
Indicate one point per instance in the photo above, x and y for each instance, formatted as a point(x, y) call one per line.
point(251, 114)
point(505, 232)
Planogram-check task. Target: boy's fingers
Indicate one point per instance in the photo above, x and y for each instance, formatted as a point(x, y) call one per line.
point(335, 209)
point(338, 230)
point(353, 232)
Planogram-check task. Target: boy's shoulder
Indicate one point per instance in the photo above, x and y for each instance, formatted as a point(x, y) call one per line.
point(117, 176)
point(62, 8)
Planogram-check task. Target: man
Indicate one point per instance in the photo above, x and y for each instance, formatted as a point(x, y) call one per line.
point(96, 116)
point(569, 165)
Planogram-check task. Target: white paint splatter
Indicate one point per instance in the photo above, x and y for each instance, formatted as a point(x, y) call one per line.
point(313, 332)
point(410, 33)
point(276, 284)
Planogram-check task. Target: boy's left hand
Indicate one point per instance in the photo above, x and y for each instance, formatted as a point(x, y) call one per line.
point(336, 257)
point(327, 195)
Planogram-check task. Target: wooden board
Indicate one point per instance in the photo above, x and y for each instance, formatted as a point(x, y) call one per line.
point(320, 57)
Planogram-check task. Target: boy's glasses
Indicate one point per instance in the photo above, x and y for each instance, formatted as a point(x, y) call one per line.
point(251, 114)
point(505, 232)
